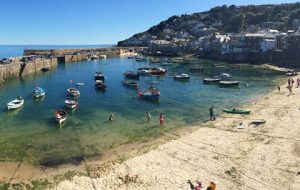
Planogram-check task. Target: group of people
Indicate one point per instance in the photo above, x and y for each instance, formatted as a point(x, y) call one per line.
point(291, 85)
point(161, 118)
point(198, 186)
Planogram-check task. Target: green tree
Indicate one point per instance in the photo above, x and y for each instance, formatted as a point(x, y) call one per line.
point(236, 22)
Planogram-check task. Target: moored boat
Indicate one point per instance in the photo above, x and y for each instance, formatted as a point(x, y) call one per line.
point(129, 83)
point(152, 93)
point(223, 76)
point(177, 60)
point(182, 76)
point(93, 57)
point(80, 84)
point(60, 116)
point(229, 83)
point(15, 104)
point(45, 69)
point(157, 71)
point(99, 84)
point(211, 80)
point(236, 111)
point(140, 58)
point(73, 92)
point(38, 92)
point(99, 76)
point(71, 103)
point(131, 74)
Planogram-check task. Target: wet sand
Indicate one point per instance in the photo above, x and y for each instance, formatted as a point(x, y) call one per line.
point(266, 156)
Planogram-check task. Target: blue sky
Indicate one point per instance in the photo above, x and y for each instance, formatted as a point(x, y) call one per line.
point(56, 22)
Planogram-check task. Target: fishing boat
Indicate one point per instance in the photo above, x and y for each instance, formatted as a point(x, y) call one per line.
point(152, 93)
point(71, 103)
point(45, 69)
point(157, 71)
point(60, 116)
point(131, 74)
point(223, 76)
point(15, 104)
point(140, 58)
point(99, 76)
point(130, 83)
point(229, 83)
point(236, 111)
point(73, 92)
point(99, 84)
point(182, 76)
point(38, 92)
point(211, 80)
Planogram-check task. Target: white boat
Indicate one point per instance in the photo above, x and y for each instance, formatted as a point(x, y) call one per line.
point(71, 104)
point(223, 76)
point(229, 83)
point(177, 60)
point(182, 76)
point(73, 92)
point(102, 56)
point(60, 116)
point(93, 57)
point(80, 84)
point(15, 104)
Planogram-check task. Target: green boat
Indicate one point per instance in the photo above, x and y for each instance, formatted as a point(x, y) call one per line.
point(235, 111)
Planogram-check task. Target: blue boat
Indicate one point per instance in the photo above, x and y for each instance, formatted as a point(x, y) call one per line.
point(38, 92)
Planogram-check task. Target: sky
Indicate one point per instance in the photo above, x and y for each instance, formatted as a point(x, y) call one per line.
point(93, 22)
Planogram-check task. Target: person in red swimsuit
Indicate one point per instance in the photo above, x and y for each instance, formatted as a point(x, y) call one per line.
point(161, 119)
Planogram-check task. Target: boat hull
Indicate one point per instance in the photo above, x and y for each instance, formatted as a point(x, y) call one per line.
point(15, 104)
point(233, 111)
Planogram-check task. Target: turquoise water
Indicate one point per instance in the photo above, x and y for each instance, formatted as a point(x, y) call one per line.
point(31, 133)
point(17, 50)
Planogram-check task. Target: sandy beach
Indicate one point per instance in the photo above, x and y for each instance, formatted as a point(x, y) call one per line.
point(266, 156)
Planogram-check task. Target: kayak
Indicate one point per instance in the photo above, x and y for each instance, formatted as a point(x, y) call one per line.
point(235, 111)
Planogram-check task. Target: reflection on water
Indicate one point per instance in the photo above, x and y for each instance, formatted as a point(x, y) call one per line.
point(31, 133)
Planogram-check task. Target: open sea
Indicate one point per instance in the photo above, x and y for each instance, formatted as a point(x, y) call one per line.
point(31, 133)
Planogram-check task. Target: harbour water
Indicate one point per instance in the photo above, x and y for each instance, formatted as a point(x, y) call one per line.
point(31, 133)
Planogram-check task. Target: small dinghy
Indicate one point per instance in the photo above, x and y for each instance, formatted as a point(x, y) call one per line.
point(99, 76)
point(131, 74)
point(100, 85)
point(38, 92)
point(15, 104)
point(182, 76)
point(129, 83)
point(229, 83)
point(211, 80)
point(80, 84)
point(60, 116)
point(151, 93)
point(45, 69)
point(71, 103)
point(236, 111)
point(73, 92)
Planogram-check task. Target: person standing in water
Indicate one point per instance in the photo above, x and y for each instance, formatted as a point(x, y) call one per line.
point(211, 113)
point(148, 116)
point(111, 117)
point(161, 119)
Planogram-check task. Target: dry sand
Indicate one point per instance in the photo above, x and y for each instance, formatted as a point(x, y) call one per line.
point(257, 157)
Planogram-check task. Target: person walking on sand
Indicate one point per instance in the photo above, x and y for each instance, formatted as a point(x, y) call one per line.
point(289, 82)
point(278, 87)
point(290, 88)
point(298, 82)
point(148, 116)
point(161, 119)
point(211, 113)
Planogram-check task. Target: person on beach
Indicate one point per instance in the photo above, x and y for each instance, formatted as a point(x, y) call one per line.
point(289, 82)
point(111, 117)
point(278, 87)
point(161, 119)
point(290, 88)
point(211, 113)
point(292, 81)
point(148, 116)
point(197, 186)
point(298, 82)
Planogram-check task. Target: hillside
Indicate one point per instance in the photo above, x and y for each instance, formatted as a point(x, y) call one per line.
point(224, 19)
